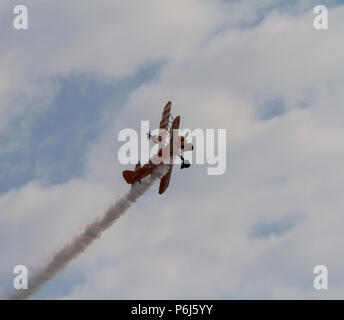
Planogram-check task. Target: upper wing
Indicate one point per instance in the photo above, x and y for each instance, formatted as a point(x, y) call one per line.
point(165, 116)
point(175, 125)
point(165, 181)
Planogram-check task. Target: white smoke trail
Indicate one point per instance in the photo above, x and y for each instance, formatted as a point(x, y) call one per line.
point(92, 232)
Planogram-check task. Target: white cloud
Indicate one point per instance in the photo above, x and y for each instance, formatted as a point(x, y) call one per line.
point(103, 40)
point(196, 240)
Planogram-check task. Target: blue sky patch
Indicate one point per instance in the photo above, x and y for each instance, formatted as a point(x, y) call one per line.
point(264, 230)
point(59, 137)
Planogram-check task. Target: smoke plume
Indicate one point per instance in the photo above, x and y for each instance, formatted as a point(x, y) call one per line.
point(92, 232)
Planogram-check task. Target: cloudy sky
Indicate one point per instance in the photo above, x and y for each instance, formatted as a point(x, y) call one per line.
point(84, 70)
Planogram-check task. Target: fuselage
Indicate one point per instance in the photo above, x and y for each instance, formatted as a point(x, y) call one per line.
point(165, 156)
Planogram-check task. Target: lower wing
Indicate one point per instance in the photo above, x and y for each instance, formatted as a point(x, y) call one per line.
point(165, 181)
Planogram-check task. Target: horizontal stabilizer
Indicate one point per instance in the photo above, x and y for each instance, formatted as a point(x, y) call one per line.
point(129, 176)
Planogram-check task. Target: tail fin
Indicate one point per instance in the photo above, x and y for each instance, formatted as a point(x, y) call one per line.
point(129, 176)
point(138, 166)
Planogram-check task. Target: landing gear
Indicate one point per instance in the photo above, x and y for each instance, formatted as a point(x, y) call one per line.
point(185, 164)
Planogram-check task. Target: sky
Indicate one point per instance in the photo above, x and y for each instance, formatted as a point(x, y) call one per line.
point(84, 70)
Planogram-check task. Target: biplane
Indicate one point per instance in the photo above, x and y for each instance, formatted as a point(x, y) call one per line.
point(171, 145)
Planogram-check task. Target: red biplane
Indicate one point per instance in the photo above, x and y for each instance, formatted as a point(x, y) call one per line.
point(176, 146)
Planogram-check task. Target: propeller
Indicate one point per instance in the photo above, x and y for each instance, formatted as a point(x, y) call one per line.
point(152, 137)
